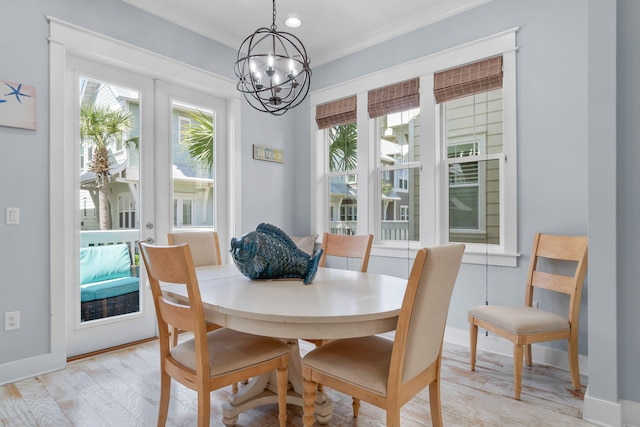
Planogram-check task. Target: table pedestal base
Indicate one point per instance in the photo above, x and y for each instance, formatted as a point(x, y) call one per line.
point(262, 390)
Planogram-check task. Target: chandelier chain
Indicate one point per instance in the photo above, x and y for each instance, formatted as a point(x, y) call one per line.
point(273, 24)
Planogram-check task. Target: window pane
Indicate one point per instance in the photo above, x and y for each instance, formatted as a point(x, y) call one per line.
point(193, 143)
point(343, 148)
point(343, 204)
point(473, 127)
point(400, 213)
point(474, 202)
point(399, 137)
point(400, 188)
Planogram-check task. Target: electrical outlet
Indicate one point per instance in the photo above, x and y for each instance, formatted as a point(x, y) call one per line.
point(11, 320)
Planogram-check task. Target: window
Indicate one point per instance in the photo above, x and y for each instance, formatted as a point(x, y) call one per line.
point(183, 210)
point(126, 212)
point(435, 155)
point(471, 114)
point(341, 147)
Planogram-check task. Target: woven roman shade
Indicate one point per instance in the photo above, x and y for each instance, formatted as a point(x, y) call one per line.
point(394, 98)
point(470, 79)
point(335, 113)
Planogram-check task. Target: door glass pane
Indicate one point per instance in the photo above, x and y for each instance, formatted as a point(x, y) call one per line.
point(193, 152)
point(108, 195)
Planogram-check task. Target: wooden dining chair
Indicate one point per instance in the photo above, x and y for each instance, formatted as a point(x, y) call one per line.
point(208, 360)
point(346, 246)
point(389, 373)
point(524, 325)
point(205, 249)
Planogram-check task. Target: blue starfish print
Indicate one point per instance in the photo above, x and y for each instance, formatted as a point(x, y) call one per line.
point(16, 92)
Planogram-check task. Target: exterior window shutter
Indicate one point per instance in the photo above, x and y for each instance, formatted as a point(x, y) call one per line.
point(335, 113)
point(394, 98)
point(470, 79)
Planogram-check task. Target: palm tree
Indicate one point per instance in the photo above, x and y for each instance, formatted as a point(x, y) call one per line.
point(343, 150)
point(102, 126)
point(197, 140)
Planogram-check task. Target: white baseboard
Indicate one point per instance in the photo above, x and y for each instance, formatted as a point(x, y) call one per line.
point(30, 367)
point(601, 412)
point(542, 355)
point(630, 413)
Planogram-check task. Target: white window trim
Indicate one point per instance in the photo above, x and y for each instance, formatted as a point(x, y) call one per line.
point(431, 184)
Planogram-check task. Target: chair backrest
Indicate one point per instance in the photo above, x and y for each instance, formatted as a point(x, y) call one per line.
point(347, 246)
point(174, 265)
point(558, 248)
point(423, 316)
point(205, 246)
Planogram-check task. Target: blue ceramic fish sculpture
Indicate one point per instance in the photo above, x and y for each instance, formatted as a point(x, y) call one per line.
point(268, 253)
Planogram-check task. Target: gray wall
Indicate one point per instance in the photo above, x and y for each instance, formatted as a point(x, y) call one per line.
point(628, 196)
point(553, 154)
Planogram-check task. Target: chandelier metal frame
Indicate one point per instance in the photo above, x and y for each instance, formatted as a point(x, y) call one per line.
point(273, 70)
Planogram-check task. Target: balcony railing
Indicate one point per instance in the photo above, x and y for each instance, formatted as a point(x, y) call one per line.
point(110, 237)
point(391, 230)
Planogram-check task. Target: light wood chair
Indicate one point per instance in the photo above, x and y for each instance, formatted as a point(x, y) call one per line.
point(524, 325)
point(389, 373)
point(205, 245)
point(205, 249)
point(209, 360)
point(346, 246)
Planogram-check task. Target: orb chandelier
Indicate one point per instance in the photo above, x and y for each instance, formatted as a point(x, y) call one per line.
point(273, 70)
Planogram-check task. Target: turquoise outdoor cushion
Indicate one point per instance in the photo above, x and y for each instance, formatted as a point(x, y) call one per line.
point(108, 288)
point(98, 263)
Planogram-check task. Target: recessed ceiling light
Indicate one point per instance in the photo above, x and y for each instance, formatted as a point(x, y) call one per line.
point(293, 21)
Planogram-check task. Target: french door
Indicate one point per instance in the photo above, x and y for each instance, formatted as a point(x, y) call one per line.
point(131, 150)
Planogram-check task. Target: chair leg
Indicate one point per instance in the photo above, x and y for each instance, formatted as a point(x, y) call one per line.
point(204, 408)
point(434, 401)
point(393, 415)
point(574, 366)
point(473, 343)
point(356, 407)
point(517, 369)
point(527, 355)
point(281, 378)
point(320, 386)
point(309, 403)
point(165, 394)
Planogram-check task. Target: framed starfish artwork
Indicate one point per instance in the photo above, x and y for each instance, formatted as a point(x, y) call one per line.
point(17, 105)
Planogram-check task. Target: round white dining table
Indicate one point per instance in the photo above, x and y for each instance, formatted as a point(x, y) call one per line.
point(337, 304)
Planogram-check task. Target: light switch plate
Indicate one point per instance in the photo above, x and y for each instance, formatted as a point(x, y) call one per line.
point(13, 216)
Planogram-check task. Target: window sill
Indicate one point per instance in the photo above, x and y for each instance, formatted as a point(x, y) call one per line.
point(500, 259)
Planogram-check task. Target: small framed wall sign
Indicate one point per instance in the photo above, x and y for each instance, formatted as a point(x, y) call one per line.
point(17, 105)
point(268, 154)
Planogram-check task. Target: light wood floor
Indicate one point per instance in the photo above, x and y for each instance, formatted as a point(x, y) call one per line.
point(120, 389)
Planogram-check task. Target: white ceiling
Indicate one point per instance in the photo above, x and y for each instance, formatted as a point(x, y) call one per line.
point(330, 29)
